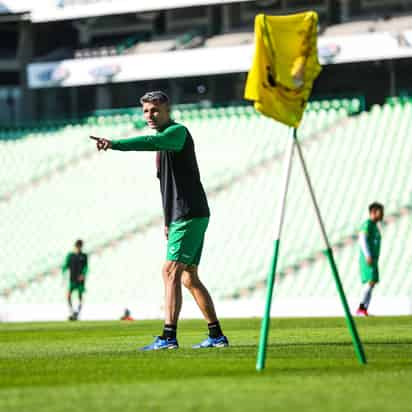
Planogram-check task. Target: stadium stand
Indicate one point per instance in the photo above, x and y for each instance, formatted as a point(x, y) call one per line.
point(67, 157)
point(371, 24)
point(344, 193)
point(299, 281)
point(137, 44)
point(140, 43)
point(146, 42)
point(43, 151)
point(230, 39)
point(240, 159)
point(38, 154)
point(156, 45)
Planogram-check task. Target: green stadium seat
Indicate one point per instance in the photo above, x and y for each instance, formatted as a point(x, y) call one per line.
point(100, 197)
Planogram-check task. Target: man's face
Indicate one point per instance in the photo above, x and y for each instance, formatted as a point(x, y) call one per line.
point(157, 115)
point(376, 215)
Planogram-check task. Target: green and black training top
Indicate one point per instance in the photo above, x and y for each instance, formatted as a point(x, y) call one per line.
point(183, 196)
point(77, 263)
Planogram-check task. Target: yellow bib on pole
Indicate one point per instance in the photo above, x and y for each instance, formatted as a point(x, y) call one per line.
point(284, 66)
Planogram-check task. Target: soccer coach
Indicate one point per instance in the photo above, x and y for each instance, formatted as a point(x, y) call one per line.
point(186, 215)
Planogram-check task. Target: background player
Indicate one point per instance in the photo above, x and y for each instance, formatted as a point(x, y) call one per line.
point(77, 263)
point(370, 245)
point(186, 214)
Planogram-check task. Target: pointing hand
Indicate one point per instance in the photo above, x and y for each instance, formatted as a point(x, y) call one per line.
point(101, 143)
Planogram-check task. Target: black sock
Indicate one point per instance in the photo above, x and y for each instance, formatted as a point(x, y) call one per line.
point(214, 329)
point(362, 306)
point(169, 332)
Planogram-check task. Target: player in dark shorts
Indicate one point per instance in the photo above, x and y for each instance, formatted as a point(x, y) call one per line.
point(186, 214)
point(77, 263)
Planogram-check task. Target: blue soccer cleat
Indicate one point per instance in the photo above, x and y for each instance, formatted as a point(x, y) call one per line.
point(220, 342)
point(160, 343)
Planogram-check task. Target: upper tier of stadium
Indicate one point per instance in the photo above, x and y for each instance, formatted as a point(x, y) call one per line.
point(42, 11)
point(146, 42)
point(191, 49)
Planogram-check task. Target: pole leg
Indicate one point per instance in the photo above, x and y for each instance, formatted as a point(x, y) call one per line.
point(360, 354)
point(261, 356)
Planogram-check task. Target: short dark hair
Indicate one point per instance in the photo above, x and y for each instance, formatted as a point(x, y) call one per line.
point(79, 243)
point(156, 96)
point(375, 206)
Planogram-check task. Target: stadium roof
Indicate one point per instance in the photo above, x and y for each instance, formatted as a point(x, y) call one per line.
point(52, 10)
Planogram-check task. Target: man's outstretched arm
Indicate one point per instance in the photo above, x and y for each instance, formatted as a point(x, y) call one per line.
point(173, 139)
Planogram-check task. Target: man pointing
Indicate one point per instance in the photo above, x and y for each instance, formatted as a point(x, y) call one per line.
point(186, 215)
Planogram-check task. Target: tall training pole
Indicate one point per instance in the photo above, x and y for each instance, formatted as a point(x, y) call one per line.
point(360, 354)
point(261, 356)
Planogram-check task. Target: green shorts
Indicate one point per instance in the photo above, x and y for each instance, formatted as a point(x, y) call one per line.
point(368, 273)
point(185, 240)
point(79, 286)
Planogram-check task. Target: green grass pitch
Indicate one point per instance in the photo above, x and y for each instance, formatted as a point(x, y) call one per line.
point(94, 366)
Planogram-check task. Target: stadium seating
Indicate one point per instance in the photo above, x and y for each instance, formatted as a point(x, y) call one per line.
point(39, 154)
point(230, 39)
point(140, 44)
point(355, 160)
point(42, 151)
point(99, 182)
point(394, 24)
point(347, 177)
point(156, 45)
point(394, 268)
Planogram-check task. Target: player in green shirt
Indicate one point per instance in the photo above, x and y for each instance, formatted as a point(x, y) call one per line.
point(186, 216)
point(370, 246)
point(77, 264)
